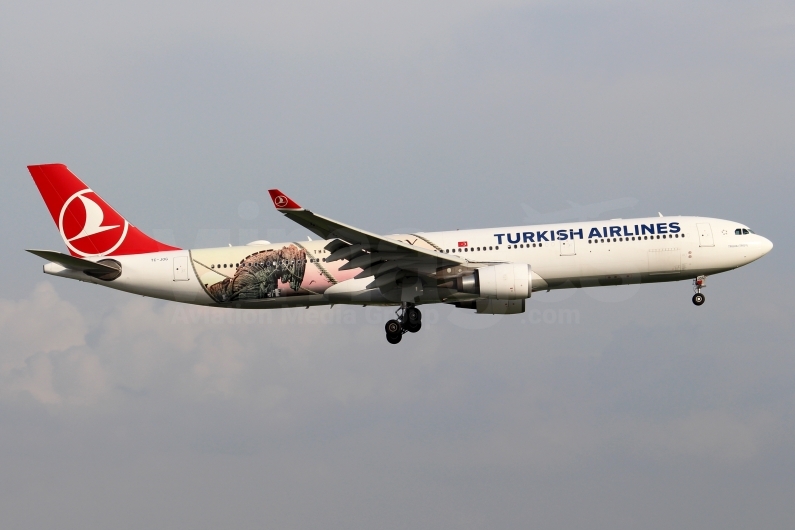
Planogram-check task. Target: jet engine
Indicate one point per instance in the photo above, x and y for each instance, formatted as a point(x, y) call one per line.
point(507, 281)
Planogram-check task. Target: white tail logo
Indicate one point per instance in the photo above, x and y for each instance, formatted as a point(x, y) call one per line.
point(91, 226)
point(94, 218)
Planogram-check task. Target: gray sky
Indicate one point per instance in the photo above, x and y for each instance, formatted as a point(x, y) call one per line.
point(601, 408)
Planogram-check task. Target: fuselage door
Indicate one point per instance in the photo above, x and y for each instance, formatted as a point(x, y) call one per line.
point(567, 247)
point(705, 235)
point(181, 268)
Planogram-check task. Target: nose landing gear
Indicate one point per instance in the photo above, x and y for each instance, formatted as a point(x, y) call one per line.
point(409, 319)
point(698, 284)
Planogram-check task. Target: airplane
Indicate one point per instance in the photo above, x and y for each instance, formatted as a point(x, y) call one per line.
point(490, 271)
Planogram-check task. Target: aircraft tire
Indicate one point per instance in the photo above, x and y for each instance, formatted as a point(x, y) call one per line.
point(413, 315)
point(413, 327)
point(394, 338)
point(393, 327)
point(698, 299)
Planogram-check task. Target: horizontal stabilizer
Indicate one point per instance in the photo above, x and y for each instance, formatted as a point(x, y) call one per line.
point(71, 262)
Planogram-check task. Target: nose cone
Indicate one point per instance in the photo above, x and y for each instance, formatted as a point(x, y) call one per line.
point(767, 245)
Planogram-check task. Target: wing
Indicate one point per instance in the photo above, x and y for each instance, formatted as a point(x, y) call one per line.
point(389, 261)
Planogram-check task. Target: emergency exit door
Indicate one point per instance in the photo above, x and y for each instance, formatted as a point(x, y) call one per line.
point(567, 247)
point(181, 269)
point(705, 235)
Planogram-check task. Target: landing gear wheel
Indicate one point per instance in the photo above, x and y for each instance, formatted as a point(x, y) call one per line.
point(412, 327)
point(394, 338)
point(698, 299)
point(413, 315)
point(393, 327)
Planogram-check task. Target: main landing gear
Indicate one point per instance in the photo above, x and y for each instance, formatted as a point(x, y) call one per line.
point(409, 319)
point(698, 284)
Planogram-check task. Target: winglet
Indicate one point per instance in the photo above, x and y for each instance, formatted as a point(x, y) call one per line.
point(282, 202)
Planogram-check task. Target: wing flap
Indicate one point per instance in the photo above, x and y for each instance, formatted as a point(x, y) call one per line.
point(345, 253)
point(366, 260)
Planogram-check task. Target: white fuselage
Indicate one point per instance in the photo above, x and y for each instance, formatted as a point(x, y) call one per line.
point(565, 255)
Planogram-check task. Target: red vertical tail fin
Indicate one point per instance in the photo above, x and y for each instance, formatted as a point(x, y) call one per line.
point(88, 225)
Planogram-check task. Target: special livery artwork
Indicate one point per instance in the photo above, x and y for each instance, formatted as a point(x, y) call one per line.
point(245, 273)
point(259, 274)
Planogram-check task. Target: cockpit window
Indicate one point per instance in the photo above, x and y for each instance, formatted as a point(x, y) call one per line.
point(751, 231)
point(738, 232)
point(745, 231)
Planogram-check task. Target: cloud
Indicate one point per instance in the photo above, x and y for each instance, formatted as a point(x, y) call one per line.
point(603, 408)
point(311, 365)
point(316, 396)
point(41, 323)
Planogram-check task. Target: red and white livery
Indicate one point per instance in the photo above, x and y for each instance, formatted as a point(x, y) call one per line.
point(492, 271)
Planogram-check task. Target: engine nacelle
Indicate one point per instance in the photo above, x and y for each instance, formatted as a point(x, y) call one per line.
point(507, 281)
